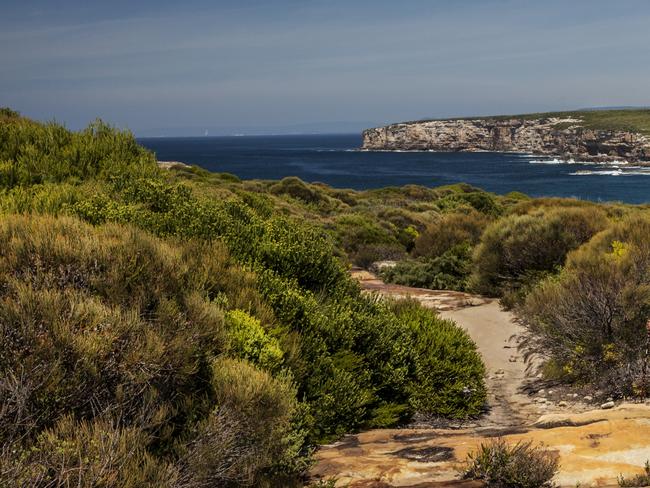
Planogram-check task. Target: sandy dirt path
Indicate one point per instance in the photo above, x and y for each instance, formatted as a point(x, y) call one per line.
point(494, 331)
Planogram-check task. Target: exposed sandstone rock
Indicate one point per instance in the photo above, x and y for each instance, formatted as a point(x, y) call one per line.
point(553, 136)
point(594, 448)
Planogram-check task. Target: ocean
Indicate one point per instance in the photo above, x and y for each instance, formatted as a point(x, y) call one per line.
point(336, 161)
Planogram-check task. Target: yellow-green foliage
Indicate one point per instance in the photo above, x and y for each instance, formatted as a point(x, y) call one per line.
point(250, 341)
point(34, 153)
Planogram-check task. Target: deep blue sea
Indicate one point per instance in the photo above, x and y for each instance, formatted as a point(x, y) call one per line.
point(336, 160)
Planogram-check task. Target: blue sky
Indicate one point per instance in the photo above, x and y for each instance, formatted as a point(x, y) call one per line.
point(161, 67)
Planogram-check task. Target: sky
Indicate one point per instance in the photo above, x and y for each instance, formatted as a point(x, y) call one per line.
point(244, 66)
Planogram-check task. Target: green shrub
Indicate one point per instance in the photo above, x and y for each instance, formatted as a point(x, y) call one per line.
point(449, 271)
point(86, 454)
point(448, 231)
point(250, 341)
point(298, 189)
point(364, 240)
point(448, 372)
point(111, 321)
point(517, 247)
point(247, 433)
point(478, 200)
point(519, 466)
point(34, 153)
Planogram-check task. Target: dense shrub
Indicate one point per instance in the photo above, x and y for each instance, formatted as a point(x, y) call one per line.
point(34, 153)
point(447, 380)
point(518, 250)
point(448, 231)
point(364, 240)
point(114, 324)
point(478, 200)
point(449, 271)
point(250, 341)
point(591, 319)
point(519, 466)
point(296, 188)
point(247, 432)
point(86, 454)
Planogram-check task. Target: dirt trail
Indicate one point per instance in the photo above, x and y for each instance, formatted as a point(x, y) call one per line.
point(594, 446)
point(494, 332)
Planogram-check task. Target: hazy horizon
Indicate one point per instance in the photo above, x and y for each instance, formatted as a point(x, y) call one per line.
point(288, 66)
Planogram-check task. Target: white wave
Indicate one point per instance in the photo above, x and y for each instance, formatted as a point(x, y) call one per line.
point(613, 172)
point(548, 161)
point(639, 171)
point(613, 164)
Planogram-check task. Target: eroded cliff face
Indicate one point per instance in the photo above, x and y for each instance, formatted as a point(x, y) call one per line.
point(561, 137)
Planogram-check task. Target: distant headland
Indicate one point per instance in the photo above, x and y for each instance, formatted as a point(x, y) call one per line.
point(585, 135)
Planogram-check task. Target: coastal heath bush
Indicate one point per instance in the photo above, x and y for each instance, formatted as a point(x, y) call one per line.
point(480, 201)
point(448, 372)
point(591, 319)
point(450, 230)
point(521, 465)
point(247, 432)
point(86, 454)
point(518, 250)
point(108, 334)
point(448, 271)
point(37, 153)
point(249, 340)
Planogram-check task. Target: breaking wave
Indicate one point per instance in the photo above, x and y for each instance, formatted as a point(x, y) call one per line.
point(638, 171)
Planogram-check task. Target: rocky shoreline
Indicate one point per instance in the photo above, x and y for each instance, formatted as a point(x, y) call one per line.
point(561, 137)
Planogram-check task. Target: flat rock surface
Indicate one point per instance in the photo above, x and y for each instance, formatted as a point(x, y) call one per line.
point(595, 453)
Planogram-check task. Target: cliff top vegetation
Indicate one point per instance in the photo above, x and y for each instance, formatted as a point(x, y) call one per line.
point(632, 120)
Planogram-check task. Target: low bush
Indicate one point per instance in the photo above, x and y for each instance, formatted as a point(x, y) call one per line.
point(86, 454)
point(638, 480)
point(591, 318)
point(35, 153)
point(480, 201)
point(517, 248)
point(356, 234)
point(450, 230)
point(248, 432)
point(522, 465)
point(448, 376)
point(298, 189)
point(449, 271)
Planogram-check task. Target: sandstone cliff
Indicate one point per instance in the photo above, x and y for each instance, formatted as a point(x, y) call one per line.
point(563, 137)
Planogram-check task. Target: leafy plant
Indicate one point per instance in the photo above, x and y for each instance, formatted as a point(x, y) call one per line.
point(521, 465)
